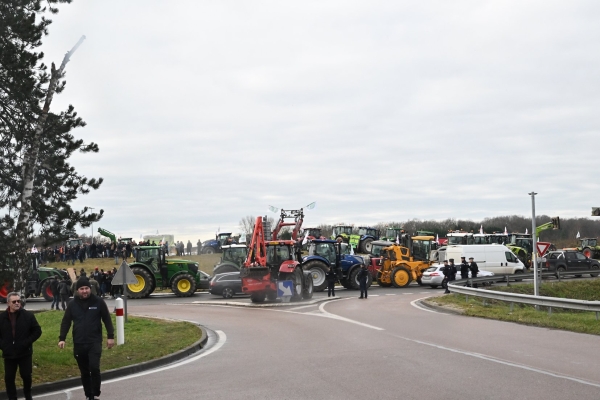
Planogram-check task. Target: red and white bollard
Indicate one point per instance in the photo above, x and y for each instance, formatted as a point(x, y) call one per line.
point(120, 321)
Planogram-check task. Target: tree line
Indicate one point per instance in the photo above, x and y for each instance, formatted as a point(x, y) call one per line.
point(566, 236)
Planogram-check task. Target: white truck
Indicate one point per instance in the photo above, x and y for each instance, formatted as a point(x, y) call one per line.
point(495, 258)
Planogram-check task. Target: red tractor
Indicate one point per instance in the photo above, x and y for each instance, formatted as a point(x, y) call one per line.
point(273, 261)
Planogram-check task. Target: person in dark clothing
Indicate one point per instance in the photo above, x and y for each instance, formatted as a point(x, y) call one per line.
point(55, 292)
point(474, 269)
point(18, 330)
point(189, 248)
point(464, 269)
point(363, 277)
point(449, 273)
point(63, 288)
point(199, 245)
point(331, 277)
point(87, 312)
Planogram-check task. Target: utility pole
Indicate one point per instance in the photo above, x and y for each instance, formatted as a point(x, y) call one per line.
point(536, 283)
point(92, 208)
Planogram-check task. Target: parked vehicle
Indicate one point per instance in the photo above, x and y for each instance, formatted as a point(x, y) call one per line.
point(214, 245)
point(269, 262)
point(571, 261)
point(495, 258)
point(589, 247)
point(434, 275)
point(373, 259)
point(401, 264)
point(227, 284)
point(322, 257)
point(151, 269)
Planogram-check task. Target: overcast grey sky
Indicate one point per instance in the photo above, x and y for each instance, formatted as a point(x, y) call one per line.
point(208, 111)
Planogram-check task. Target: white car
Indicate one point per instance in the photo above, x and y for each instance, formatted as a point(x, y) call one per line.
point(434, 275)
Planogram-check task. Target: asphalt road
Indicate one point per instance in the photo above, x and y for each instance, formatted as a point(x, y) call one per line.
point(385, 347)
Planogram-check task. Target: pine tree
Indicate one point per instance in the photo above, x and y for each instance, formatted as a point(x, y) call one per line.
point(37, 184)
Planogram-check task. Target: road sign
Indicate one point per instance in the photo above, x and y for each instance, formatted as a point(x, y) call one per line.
point(124, 275)
point(542, 247)
point(285, 288)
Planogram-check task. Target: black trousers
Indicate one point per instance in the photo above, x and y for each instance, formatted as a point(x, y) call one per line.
point(88, 360)
point(10, 372)
point(363, 288)
point(330, 289)
point(64, 299)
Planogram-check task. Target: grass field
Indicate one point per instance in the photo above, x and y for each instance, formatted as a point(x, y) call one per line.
point(571, 320)
point(145, 339)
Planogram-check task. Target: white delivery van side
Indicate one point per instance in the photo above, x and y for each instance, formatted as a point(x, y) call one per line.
point(494, 258)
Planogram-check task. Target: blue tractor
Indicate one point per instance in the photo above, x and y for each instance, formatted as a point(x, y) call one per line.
point(322, 257)
point(214, 245)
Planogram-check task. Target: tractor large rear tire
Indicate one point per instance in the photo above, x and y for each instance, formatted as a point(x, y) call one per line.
point(366, 246)
point(143, 287)
point(183, 285)
point(318, 270)
point(209, 250)
point(401, 277)
point(354, 283)
point(221, 269)
point(46, 291)
point(298, 278)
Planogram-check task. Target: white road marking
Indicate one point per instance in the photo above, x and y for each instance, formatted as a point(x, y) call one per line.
point(222, 338)
point(415, 305)
point(390, 294)
point(374, 295)
point(299, 308)
point(407, 293)
point(340, 318)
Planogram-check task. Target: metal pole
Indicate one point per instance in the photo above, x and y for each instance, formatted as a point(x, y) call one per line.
point(536, 288)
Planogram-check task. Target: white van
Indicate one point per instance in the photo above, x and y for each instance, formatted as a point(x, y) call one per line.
point(495, 258)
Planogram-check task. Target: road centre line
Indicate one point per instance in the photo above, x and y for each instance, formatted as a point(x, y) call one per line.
point(221, 339)
point(390, 294)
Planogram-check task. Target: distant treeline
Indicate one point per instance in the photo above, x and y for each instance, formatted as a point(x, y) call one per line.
point(565, 237)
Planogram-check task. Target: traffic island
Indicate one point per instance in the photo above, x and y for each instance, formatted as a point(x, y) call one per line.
point(51, 365)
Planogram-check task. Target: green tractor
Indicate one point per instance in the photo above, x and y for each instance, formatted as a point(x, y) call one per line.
point(361, 242)
point(38, 280)
point(391, 234)
point(589, 247)
point(234, 256)
point(152, 269)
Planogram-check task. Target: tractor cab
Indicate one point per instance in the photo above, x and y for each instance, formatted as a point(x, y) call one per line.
point(499, 238)
point(235, 253)
point(481, 238)
point(152, 256)
point(341, 230)
point(589, 242)
point(522, 240)
point(280, 251)
point(392, 233)
point(378, 246)
point(325, 249)
point(422, 246)
point(460, 237)
point(222, 238)
point(314, 233)
point(365, 231)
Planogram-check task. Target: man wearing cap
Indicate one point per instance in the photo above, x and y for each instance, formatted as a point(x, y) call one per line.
point(449, 273)
point(464, 268)
point(18, 330)
point(87, 312)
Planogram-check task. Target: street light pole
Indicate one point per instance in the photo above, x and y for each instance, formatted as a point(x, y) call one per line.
point(536, 283)
point(92, 208)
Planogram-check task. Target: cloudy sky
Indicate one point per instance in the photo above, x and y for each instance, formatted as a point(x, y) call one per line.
point(208, 111)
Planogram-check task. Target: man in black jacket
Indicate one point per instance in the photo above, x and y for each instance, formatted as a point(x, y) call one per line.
point(449, 272)
point(87, 312)
point(363, 277)
point(474, 269)
point(18, 330)
point(464, 269)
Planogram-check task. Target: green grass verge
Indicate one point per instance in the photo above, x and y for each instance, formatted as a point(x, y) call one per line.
point(145, 339)
point(571, 320)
